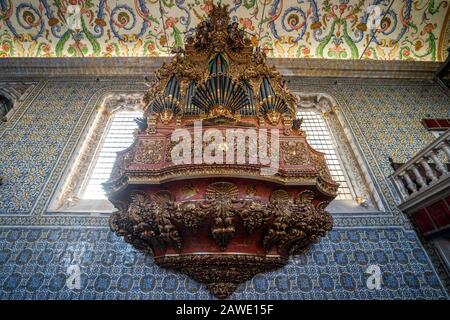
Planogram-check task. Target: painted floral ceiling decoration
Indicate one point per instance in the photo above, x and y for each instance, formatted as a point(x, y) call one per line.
point(336, 29)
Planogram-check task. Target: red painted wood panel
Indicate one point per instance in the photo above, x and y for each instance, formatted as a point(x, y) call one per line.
point(436, 124)
point(423, 221)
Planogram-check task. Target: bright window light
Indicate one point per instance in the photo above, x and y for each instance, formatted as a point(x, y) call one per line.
point(319, 138)
point(118, 137)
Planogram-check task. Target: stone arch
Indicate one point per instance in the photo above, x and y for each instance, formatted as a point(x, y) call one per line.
point(346, 147)
point(11, 96)
point(5, 106)
point(10, 93)
point(110, 101)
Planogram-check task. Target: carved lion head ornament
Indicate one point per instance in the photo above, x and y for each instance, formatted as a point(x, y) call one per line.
point(221, 222)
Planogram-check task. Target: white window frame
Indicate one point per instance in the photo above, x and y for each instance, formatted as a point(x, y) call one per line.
point(100, 147)
point(366, 199)
point(67, 198)
point(350, 195)
point(437, 133)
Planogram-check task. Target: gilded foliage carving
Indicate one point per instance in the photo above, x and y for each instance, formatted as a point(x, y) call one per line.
point(290, 221)
point(294, 152)
point(296, 223)
point(222, 273)
point(190, 214)
point(220, 197)
point(319, 161)
point(290, 225)
point(149, 151)
point(254, 215)
point(145, 219)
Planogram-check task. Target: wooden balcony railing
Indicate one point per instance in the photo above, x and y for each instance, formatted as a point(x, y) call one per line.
point(426, 172)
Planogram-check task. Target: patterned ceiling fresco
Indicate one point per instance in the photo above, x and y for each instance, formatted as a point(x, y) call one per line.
point(340, 29)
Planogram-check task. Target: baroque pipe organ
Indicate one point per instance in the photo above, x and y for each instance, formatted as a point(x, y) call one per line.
point(218, 209)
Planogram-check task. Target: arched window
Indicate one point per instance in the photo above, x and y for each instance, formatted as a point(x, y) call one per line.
point(320, 138)
point(118, 136)
point(326, 131)
point(111, 130)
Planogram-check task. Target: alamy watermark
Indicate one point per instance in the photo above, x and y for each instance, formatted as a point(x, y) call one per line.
point(73, 281)
point(230, 146)
point(374, 280)
point(374, 15)
point(73, 18)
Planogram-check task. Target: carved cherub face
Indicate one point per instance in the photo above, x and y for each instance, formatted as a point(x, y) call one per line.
point(166, 116)
point(273, 116)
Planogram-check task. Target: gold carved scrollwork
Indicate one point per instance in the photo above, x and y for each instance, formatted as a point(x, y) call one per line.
point(182, 68)
point(319, 161)
point(168, 153)
point(221, 273)
point(254, 215)
point(294, 152)
point(145, 219)
point(149, 151)
point(296, 223)
point(190, 214)
point(220, 197)
point(289, 224)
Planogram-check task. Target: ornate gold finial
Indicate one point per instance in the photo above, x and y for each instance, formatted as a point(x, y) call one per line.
point(220, 111)
point(219, 17)
point(216, 33)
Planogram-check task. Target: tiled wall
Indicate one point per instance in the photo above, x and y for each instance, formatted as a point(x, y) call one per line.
point(36, 247)
point(35, 260)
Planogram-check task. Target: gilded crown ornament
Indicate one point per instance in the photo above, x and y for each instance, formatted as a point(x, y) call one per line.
point(220, 222)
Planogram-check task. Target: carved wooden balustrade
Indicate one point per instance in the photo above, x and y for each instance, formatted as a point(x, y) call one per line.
point(410, 180)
